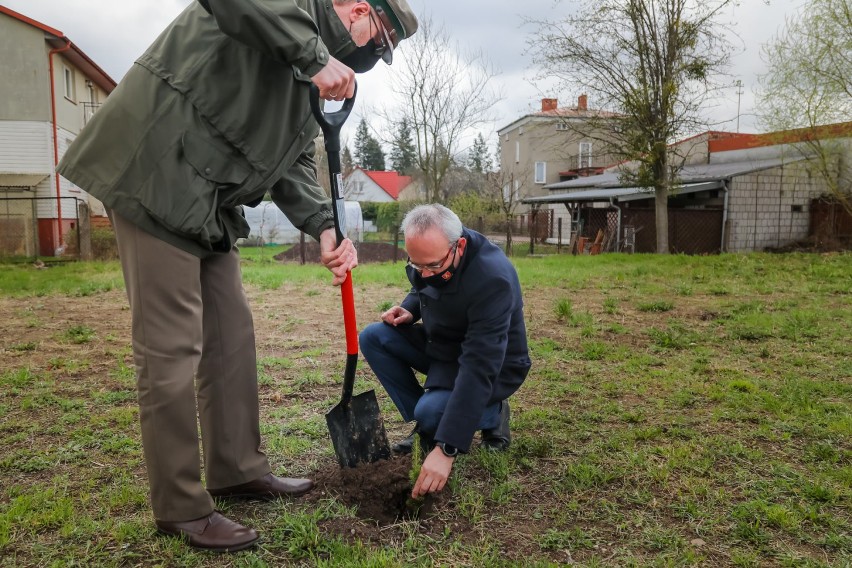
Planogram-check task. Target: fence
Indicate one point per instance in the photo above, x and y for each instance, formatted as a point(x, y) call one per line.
point(691, 231)
point(610, 229)
point(829, 219)
point(29, 228)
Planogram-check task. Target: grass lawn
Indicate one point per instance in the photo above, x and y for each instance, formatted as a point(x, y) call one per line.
point(681, 411)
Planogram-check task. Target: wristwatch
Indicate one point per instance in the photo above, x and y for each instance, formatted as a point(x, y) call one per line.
point(449, 451)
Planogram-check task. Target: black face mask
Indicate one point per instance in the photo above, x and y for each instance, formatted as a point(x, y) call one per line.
point(440, 279)
point(363, 58)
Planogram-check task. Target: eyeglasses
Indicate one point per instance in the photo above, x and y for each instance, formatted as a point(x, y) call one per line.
point(386, 38)
point(434, 266)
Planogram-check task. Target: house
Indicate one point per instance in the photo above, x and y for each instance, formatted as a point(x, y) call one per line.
point(546, 147)
point(373, 186)
point(737, 193)
point(49, 89)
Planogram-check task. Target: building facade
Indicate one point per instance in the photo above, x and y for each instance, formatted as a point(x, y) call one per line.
point(550, 146)
point(49, 89)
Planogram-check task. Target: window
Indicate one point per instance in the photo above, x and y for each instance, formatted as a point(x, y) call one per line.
point(517, 152)
point(540, 172)
point(68, 76)
point(585, 157)
point(561, 126)
point(510, 191)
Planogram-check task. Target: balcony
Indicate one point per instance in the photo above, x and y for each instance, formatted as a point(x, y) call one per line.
point(89, 111)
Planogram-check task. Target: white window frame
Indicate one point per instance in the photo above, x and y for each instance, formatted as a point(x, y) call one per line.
point(540, 173)
point(584, 158)
point(68, 80)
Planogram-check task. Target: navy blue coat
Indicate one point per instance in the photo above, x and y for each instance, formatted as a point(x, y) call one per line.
point(475, 336)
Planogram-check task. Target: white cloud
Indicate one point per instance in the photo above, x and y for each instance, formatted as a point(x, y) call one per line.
point(114, 34)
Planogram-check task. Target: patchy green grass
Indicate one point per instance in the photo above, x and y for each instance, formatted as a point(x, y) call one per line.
point(681, 411)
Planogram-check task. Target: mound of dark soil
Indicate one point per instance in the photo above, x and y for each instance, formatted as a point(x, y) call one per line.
point(380, 491)
point(367, 252)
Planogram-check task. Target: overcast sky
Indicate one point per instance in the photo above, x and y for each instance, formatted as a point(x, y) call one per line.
point(114, 33)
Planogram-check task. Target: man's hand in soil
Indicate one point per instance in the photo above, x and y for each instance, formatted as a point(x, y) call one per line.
point(338, 259)
point(433, 473)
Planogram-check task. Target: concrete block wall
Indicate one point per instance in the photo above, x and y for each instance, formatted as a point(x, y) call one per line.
point(770, 208)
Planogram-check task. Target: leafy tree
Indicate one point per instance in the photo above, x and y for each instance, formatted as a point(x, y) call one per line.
point(403, 156)
point(368, 152)
point(654, 62)
point(479, 159)
point(809, 83)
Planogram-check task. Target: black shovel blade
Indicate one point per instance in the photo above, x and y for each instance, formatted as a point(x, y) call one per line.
point(357, 430)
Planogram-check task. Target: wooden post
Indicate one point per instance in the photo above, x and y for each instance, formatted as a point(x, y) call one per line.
point(301, 247)
point(533, 216)
point(395, 243)
point(84, 231)
point(559, 235)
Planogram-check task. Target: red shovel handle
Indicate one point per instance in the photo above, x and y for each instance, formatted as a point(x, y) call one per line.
point(349, 315)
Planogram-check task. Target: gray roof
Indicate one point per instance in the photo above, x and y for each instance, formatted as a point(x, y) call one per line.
point(620, 194)
point(687, 175)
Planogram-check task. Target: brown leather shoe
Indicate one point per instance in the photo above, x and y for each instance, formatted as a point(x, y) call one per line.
point(266, 487)
point(214, 532)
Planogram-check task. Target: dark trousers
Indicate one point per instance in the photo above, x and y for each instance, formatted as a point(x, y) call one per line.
point(394, 354)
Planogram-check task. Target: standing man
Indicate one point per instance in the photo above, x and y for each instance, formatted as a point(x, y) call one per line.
point(471, 344)
point(213, 116)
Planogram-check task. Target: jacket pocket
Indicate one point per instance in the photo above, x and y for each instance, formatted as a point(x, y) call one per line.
point(211, 162)
point(187, 187)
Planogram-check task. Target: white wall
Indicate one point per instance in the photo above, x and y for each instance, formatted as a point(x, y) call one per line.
point(25, 147)
point(771, 208)
point(268, 222)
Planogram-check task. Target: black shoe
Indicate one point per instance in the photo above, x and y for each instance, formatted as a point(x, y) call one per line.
point(498, 439)
point(406, 445)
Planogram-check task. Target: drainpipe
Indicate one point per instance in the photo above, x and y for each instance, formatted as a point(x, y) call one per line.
point(66, 47)
point(618, 233)
point(723, 244)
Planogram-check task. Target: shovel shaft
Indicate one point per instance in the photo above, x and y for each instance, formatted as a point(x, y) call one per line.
point(331, 123)
point(349, 323)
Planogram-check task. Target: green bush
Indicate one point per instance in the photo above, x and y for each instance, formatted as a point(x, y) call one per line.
point(104, 246)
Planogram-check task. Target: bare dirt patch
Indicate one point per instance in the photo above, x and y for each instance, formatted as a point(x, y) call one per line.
point(367, 252)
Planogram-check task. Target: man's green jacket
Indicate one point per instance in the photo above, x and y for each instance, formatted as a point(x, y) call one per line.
point(213, 116)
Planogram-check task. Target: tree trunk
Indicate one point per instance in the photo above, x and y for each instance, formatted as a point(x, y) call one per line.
point(661, 206)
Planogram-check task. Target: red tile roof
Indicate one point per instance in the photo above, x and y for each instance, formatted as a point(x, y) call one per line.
point(391, 182)
point(743, 141)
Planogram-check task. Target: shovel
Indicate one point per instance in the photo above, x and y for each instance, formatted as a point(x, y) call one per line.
point(355, 423)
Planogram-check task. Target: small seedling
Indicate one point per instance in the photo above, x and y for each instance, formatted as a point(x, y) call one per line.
point(412, 505)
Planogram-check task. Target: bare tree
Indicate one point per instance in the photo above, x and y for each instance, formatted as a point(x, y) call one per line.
point(809, 84)
point(652, 62)
point(506, 190)
point(442, 93)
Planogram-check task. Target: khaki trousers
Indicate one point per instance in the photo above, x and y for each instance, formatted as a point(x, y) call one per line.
point(194, 350)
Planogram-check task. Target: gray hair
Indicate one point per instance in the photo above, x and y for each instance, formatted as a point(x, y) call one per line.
point(425, 217)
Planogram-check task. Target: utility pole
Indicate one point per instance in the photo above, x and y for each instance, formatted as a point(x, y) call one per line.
point(739, 85)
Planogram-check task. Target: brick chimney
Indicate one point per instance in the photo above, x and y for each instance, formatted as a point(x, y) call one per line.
point(548, 104)
point(583, 102)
